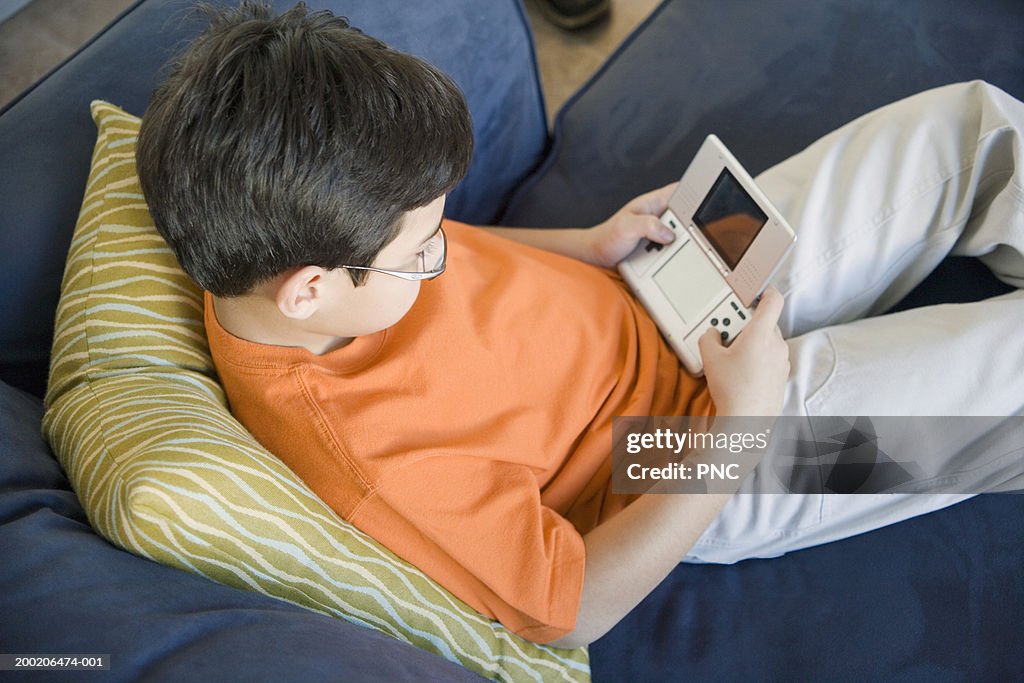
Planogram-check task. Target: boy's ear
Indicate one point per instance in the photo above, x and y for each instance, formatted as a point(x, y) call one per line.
point(301, 293)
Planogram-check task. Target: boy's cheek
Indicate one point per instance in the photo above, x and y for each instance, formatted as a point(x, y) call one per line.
point(381, 306)
point(405, 304)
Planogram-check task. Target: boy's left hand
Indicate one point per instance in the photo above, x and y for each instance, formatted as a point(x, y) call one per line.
point(617, 237)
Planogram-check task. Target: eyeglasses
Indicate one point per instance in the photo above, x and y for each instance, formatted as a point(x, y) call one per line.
point(432, 260)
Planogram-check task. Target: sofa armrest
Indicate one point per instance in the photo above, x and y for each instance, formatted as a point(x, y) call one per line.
point(46, 135)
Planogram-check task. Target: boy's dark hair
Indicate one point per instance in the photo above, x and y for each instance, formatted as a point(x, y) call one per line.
point(277, 142)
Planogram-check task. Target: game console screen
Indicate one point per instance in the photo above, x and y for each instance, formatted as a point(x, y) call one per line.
point(689, 281)
point(729, 218)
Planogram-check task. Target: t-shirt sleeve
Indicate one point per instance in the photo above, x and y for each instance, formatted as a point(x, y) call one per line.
point(478, 527)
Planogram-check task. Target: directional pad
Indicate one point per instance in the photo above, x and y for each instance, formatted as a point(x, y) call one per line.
point(653, 246)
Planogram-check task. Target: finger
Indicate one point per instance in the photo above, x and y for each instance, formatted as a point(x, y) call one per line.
point(656, 201)
point(709, 342)
point(656, 231)
point(768, 311)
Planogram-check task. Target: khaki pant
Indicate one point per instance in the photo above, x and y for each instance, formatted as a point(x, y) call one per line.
point(877, 205)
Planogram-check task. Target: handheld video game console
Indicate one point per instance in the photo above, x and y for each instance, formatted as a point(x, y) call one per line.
point(730, 240)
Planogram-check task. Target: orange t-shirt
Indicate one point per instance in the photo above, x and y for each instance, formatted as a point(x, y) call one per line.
point(473, 438)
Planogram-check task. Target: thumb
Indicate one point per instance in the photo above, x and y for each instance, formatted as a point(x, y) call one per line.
point(710, 342)
point(654, 202)
point(769, 309)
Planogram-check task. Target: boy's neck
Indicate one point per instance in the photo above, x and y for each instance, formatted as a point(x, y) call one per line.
point(258, 320)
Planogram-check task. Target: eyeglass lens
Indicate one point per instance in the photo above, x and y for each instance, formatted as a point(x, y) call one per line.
point(433, 252)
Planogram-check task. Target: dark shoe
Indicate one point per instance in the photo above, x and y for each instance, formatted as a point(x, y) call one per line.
point(574, 14)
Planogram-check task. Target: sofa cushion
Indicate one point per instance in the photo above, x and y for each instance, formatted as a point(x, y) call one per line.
point(934, 598)
point(46, 135)
point(64, 589)
point(140, 424)
point(937, 597)
point(768, 81)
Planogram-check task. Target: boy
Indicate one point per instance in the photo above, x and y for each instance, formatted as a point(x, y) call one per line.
point(299, 170)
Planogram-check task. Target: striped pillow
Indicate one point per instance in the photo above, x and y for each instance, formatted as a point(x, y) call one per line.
point(140, 424)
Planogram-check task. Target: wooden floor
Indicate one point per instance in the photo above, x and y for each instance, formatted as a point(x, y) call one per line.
point(45, 32)
point(568, 59)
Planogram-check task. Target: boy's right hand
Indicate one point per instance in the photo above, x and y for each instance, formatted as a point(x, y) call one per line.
point(749, 376)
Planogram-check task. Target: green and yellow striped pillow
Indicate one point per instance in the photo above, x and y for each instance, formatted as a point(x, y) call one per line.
point(140, 424)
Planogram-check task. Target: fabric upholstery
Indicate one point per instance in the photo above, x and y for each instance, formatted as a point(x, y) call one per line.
point(768, 80)
point(933, 598)
point(63, 589)
point(46, 135)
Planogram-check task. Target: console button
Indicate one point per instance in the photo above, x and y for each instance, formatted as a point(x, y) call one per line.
point(714, 322)
point(725, 336)
point(726, 322)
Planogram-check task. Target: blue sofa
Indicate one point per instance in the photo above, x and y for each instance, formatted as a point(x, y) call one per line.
point(939, 597)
